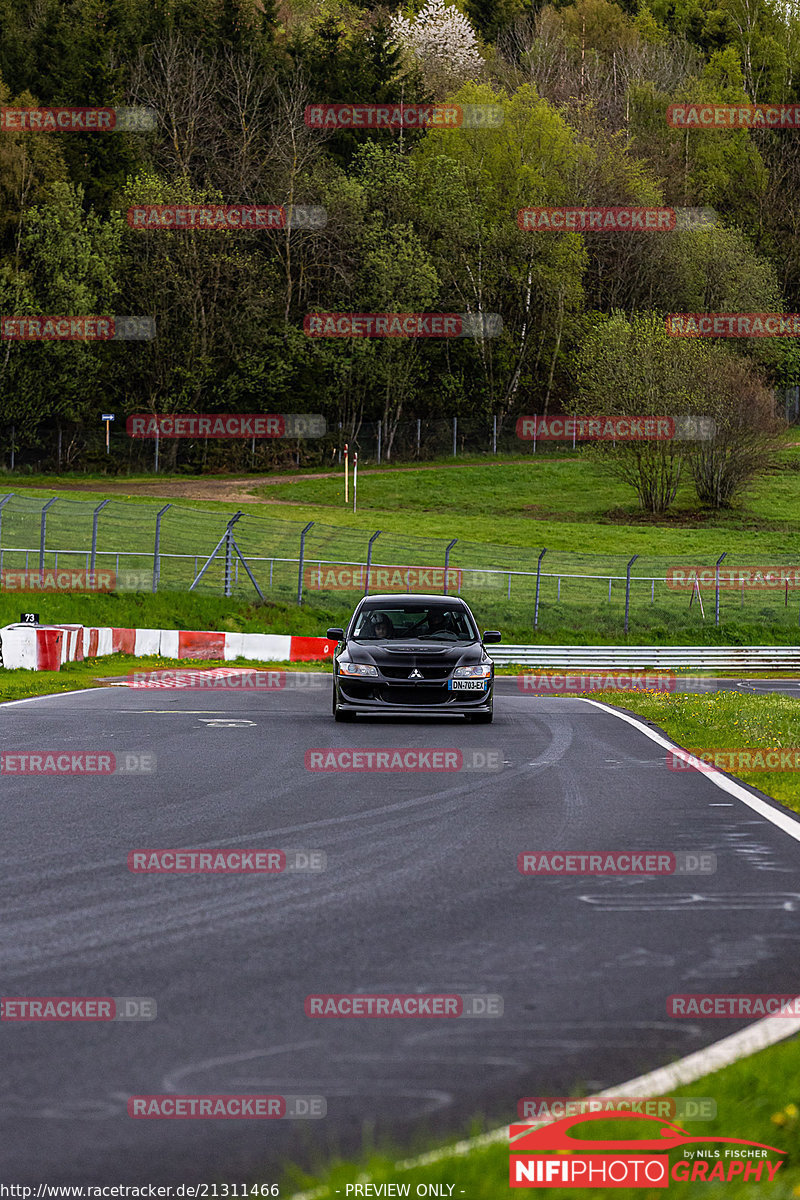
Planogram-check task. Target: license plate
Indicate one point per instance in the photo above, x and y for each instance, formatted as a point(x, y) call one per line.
point(466, 685)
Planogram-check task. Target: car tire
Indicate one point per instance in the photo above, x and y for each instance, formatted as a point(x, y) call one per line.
point(483, 718)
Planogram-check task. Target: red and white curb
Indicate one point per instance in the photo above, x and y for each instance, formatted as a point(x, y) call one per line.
point(46, 647)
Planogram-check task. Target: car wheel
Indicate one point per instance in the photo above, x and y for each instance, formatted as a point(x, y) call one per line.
point(483, 718)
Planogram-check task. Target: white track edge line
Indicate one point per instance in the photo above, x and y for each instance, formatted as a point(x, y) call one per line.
point(49, 696)
point(783, 820)
point(729, 1050)
point(724, 1053)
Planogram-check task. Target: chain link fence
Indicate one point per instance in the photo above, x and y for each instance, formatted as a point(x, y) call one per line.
point(376, 442)
point(149, 547)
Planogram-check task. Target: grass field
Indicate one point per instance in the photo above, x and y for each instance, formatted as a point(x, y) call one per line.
point(757, 1099)
point(501, 514)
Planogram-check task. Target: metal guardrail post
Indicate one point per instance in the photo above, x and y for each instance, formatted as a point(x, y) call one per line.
point(448, 548)
point(157, 547)
point(302, 556)
point(628, 589)
point(716, 588)
point(538, 581)
point(95, 518)
point(44, 531)
point(375, 535)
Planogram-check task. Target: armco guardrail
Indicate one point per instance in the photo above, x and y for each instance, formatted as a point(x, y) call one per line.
point(711, 658)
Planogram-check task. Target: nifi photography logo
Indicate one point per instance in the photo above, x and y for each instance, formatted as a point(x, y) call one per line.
point(552, 1156)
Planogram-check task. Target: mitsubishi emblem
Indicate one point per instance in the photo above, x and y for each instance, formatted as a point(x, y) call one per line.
point(415, 674)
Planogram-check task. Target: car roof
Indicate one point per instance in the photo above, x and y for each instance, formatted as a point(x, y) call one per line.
point(393, 597)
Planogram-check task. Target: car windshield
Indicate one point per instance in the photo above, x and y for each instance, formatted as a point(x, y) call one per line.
point(438, 623)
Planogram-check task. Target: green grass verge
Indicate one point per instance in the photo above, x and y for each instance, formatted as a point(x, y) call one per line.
point(501, 514)
point(757, 1099)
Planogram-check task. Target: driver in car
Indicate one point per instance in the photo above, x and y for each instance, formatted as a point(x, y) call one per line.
point(438, 620)
point(380, 627)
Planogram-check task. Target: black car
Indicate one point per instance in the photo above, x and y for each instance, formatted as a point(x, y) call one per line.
point(412, 655)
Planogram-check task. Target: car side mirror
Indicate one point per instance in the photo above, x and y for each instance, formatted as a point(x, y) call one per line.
point(491, 635)
point(337, 634)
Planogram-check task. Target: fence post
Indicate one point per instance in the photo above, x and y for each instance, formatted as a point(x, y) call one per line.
point(538, 579)
point(628, 589)
point(369, 559)
point(379, 443)
point(494, 434)
point(302, 556)
point(3, 502)
point(448, 548)
point(43, 532)
point(95, 519)
point(157, 548)
point(455, 436)
point(13, 447)
point(156, 462)
point(716, 588)
point(419, 429)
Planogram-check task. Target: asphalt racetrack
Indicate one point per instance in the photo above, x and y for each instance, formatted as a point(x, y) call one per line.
point(421, 894)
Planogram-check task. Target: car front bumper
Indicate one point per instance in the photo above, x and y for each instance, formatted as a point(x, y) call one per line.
point(382, 695)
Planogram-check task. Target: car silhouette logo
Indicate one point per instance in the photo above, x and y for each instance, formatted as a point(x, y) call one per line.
point(415, 674)
point(555, 1135)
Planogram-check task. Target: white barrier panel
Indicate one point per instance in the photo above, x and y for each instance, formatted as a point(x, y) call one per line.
point(148, 641)
point(264, 646)
point(168, 643)
point(19, 647)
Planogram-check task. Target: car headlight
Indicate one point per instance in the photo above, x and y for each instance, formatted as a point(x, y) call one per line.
point(350, 668)
point(480, 672)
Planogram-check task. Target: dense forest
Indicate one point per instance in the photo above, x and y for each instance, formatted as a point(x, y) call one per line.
point(416, 220)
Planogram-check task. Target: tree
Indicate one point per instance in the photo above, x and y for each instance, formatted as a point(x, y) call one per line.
point(629, 366)
point(747, 432)
point(444, 41)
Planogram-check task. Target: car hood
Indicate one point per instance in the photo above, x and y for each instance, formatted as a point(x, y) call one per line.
point(398, 653)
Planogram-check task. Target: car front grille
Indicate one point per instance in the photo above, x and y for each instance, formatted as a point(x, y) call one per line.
point(434, 673)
